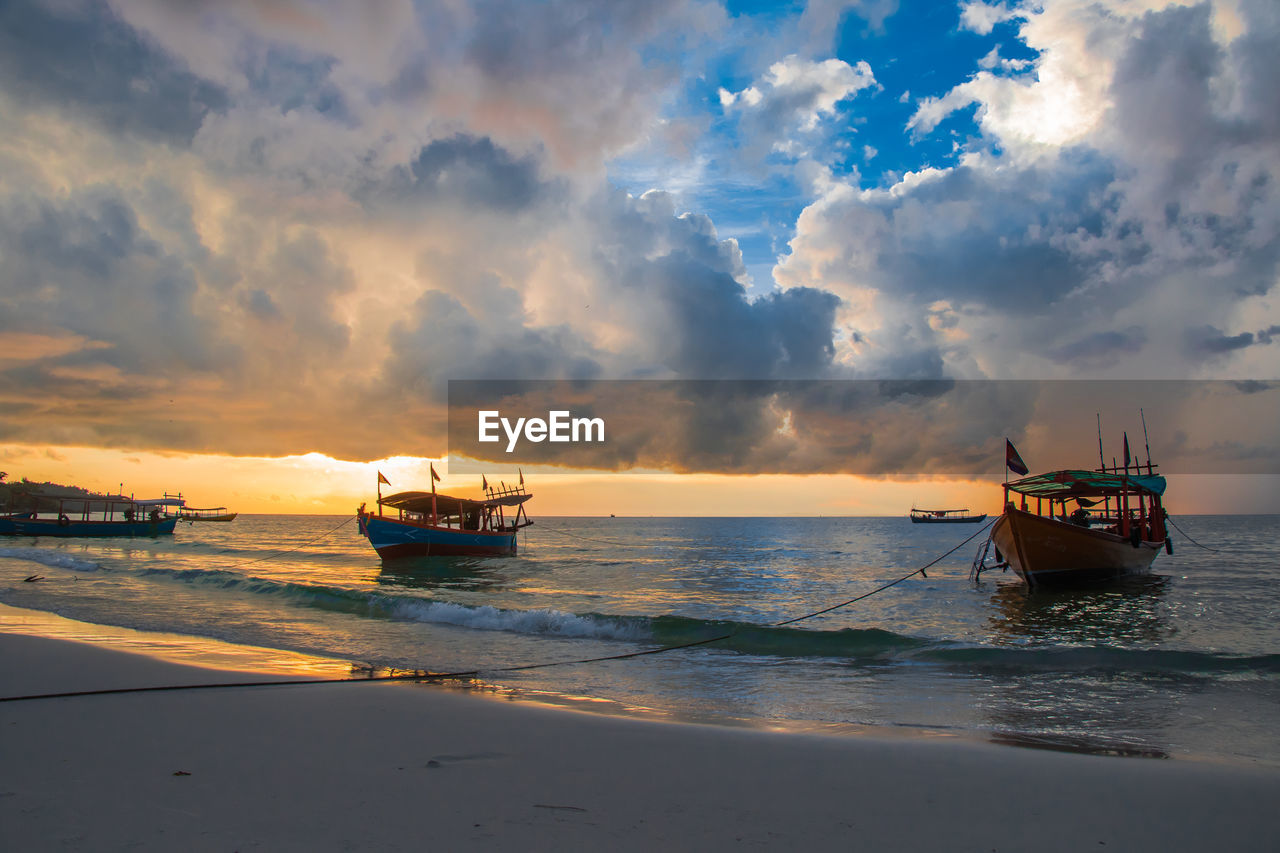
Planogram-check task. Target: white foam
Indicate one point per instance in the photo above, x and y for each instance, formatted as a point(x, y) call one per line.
point(51, 558)
point(548, 622)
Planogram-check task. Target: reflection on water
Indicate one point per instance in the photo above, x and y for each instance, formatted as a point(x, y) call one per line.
point(1090, 690)
point(470, 574)
point(1126, 613)
point(1080, 745)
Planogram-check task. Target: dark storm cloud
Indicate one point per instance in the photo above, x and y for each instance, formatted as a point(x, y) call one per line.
point(442, 339)
point(976, 236)
point(292, 81)
point(1102, 347)
point(81, 57)
point(1265, 335)
point(711, 330)
point(253, 348)
point(86, 265)
point(873, 428)
point(670, 282)
point(475, 172)
point(463, 174)
point(677, 285)
point(1211, 341)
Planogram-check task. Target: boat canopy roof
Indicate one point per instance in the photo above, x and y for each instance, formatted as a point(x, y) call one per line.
point(1062, 485)
point(447, 504)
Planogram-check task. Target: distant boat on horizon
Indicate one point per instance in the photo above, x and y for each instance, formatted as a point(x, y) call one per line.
point(945, 516)
point(217, 513)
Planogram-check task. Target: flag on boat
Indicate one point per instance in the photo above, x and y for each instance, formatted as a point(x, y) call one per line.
point(1126, 451)
point(484, 483)
point(1013, 460)
point(435, 478)
point(521, 470)
point(382, 479)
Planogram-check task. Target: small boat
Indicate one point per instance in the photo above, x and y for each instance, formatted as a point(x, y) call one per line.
point(106, 516)
point(945, 516)
point(217, 513)
point(426, 524)
point(1116, 528)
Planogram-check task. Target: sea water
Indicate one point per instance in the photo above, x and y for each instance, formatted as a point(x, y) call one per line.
point(1182, 663)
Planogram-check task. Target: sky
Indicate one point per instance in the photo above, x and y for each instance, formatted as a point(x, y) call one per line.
point(245, 245)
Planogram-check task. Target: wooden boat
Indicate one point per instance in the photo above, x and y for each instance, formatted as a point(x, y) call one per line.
point(1048, 543)
point(945, 516)
point(106, 516)
point(426, 524)
point(217, 513)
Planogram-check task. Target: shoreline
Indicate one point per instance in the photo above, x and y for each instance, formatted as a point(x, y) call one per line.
point(260, 663)
point(392, 766)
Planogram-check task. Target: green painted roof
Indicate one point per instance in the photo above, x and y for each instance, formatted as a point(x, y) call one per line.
point(1069, 484)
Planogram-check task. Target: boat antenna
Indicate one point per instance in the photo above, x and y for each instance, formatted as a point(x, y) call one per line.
point(1101, 459)
point(1145, 440)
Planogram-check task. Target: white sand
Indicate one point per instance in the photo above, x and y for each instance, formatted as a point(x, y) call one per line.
point(400, 767)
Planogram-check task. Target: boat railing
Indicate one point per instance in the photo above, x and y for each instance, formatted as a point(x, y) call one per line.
point(504, 491)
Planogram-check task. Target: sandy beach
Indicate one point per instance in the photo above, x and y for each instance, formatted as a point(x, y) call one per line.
point(396, 766)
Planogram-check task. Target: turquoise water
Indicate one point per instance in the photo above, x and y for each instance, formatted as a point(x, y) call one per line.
point(1183, 663)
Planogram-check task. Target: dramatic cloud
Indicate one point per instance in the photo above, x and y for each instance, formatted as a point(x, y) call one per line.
point(1127, 181)
point(866, 427)
point(83, 57)
point(793, 97)
point(272, 228)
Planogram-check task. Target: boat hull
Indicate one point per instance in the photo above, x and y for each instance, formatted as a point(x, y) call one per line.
point(1048, 552)
point(52, 527)
point(230, 516)
point(392, 539)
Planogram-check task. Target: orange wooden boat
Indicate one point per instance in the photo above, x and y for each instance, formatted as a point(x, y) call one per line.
point(1116, 528)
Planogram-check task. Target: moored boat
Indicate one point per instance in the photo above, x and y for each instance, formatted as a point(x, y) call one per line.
point(427, 524)
point(217, 513)
point(945, 516)
point(1049, 543)
point(85, 517)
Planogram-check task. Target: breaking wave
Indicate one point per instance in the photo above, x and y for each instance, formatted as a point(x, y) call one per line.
point(51, 558)
point(856, 646)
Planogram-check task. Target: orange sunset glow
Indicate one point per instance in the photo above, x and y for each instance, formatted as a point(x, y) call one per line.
point(320, 485)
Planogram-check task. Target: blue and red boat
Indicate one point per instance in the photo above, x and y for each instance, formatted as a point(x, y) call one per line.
point(427, 524)
point(105, 516)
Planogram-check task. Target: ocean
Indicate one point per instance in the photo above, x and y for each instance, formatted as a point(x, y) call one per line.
point(1184, 663)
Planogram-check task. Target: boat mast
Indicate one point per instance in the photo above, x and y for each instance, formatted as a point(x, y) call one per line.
point(1146, 441)
point(1102, 462)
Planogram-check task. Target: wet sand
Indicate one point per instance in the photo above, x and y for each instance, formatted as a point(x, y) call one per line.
point(395, 766)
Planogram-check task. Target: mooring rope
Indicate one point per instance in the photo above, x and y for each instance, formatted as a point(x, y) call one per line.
point(1169, 518)
point(474, 673)
point(324, 535)
point(919, 571)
